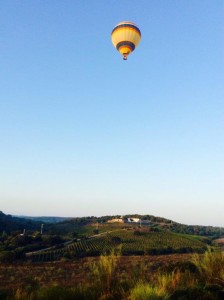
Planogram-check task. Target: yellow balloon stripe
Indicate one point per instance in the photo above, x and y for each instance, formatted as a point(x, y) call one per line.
point(125, 37)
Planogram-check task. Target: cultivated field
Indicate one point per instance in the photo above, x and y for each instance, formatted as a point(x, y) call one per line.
point(130, 243)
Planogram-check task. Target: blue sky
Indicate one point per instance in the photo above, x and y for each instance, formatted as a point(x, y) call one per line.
point(83, 132)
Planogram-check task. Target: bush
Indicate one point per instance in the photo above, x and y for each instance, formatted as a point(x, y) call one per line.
point(210, 267)
point(143, 291)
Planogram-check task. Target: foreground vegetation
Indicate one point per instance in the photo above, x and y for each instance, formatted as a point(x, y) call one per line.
point(196, 276)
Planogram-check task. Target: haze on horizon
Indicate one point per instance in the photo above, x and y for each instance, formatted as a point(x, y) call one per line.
point(85, 133)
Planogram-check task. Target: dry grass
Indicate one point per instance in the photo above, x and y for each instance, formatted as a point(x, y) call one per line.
point(210, 266)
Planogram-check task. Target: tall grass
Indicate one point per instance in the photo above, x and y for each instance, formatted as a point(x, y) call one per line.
point(144, 291)
point(107, 284)
point(104, 273)
point(169, 282)
point(210, 267)
point(160, 286)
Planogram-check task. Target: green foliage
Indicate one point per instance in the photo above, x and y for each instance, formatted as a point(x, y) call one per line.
point(9, 224)
point(210, 267)
point(144, 291)
point(208, 231)
point(104, 272)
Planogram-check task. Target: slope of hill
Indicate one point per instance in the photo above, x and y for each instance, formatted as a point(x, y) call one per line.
point(128, 242)
point(90, 236)
point(45, 219)
point(10, 224)
point(84, 225)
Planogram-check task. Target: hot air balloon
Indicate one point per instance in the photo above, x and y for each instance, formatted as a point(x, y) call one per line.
point(125, 37)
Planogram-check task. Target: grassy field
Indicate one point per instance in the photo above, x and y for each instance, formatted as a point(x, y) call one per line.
point(67, 273)
point(113, 277)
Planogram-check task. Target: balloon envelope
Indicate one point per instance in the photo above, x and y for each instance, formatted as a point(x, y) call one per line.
point(125, 37)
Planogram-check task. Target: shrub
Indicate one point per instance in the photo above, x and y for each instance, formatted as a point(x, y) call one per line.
point(210, 266)
point(143, 291)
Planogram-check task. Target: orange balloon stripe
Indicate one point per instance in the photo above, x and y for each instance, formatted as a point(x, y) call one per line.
point(124, 47)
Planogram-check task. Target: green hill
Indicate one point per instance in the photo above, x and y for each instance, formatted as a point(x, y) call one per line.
point(84, 225)
point(91, 236)
point(11, 224)
point(129, 242)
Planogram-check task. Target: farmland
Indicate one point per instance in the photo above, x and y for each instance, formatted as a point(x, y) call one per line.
point(130, 242)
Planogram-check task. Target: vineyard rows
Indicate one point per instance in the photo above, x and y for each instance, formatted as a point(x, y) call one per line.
point(146, 243)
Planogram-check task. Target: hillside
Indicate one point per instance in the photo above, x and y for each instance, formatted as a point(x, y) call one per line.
point(44, 219)
point(11, 224)
point(127, 241)
point(92, 236)
point(85, 225)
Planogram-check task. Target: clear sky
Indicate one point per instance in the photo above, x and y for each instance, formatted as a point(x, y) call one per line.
point(83, 132)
